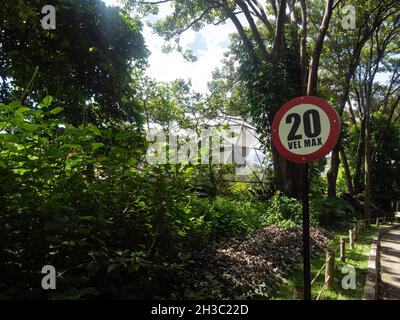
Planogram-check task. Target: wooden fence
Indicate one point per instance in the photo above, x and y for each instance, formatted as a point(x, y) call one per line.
point(329, 265)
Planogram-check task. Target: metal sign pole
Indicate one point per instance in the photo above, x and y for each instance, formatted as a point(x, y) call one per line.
point(306, 235)
point(318, 121)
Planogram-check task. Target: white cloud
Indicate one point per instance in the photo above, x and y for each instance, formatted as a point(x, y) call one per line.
point(168, 67)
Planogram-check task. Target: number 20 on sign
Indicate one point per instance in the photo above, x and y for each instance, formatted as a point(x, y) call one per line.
point(305, 129)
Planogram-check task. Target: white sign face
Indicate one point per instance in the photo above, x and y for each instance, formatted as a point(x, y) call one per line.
point(304, 129)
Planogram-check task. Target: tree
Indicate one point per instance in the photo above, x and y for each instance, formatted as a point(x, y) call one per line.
point(372, 97)
point(341, 57)
point(85, 63)
point(385, 164)
point(276, 50)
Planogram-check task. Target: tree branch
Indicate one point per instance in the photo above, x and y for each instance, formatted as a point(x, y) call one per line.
point(179, 32)
point(274, 9)
point(246, 41)
point(152, 2)
point(254, 30)
point(314, 63)
point(303, 47)
point(261, 14)
point(279, 32)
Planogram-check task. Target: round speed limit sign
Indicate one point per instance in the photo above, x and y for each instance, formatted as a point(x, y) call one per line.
point(305, 129)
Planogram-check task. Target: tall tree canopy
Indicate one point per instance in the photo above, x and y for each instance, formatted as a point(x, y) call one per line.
point(85, 63)
point(278, 49)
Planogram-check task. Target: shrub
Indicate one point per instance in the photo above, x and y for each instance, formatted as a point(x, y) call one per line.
point(329, 211)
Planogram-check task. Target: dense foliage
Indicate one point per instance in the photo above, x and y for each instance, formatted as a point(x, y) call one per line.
point(82, 199)
point(77, 190)
point(86, 63)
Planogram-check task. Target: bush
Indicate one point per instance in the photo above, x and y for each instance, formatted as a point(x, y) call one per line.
point(330, 211)
point(230, 217)
point(287, 212)
point(82, 199)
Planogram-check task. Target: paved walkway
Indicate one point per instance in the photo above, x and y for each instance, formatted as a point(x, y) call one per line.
point(390, 265)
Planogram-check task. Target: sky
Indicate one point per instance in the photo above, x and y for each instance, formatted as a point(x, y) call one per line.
point(209, 45)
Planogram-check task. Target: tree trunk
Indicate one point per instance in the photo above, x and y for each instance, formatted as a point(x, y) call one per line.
point(357, 182)
point(347, 173)
point(367, 197)
point(333, 172)
point(316, 54)
point(303, 48)
point(287, 175)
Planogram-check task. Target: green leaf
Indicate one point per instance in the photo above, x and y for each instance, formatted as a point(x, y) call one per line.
point(94, 129)
point(97, 145)
point(22, 110)
point(56, 110)
point(30, 127)
point(47, 101)
point(72, 146)
point(8, 137)
point(87, 218)
point(111, 267)
point(53, 239)
point(38, 113)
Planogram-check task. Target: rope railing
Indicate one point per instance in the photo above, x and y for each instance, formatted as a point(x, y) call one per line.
point(329, 265)
point(329, 269)
point(323, 288)
point(319, 272)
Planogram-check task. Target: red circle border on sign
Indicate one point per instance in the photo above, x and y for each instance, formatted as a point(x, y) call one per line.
point(328, 145)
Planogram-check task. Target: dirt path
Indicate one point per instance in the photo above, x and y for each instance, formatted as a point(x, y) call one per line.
point(390, 265)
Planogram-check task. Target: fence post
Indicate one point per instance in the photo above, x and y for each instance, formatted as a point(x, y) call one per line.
point(329, 269)
point(377, 222)
point(384, 220)
point(298, 293)
point(342, 257)
point(351, 239)
point(355, 233)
